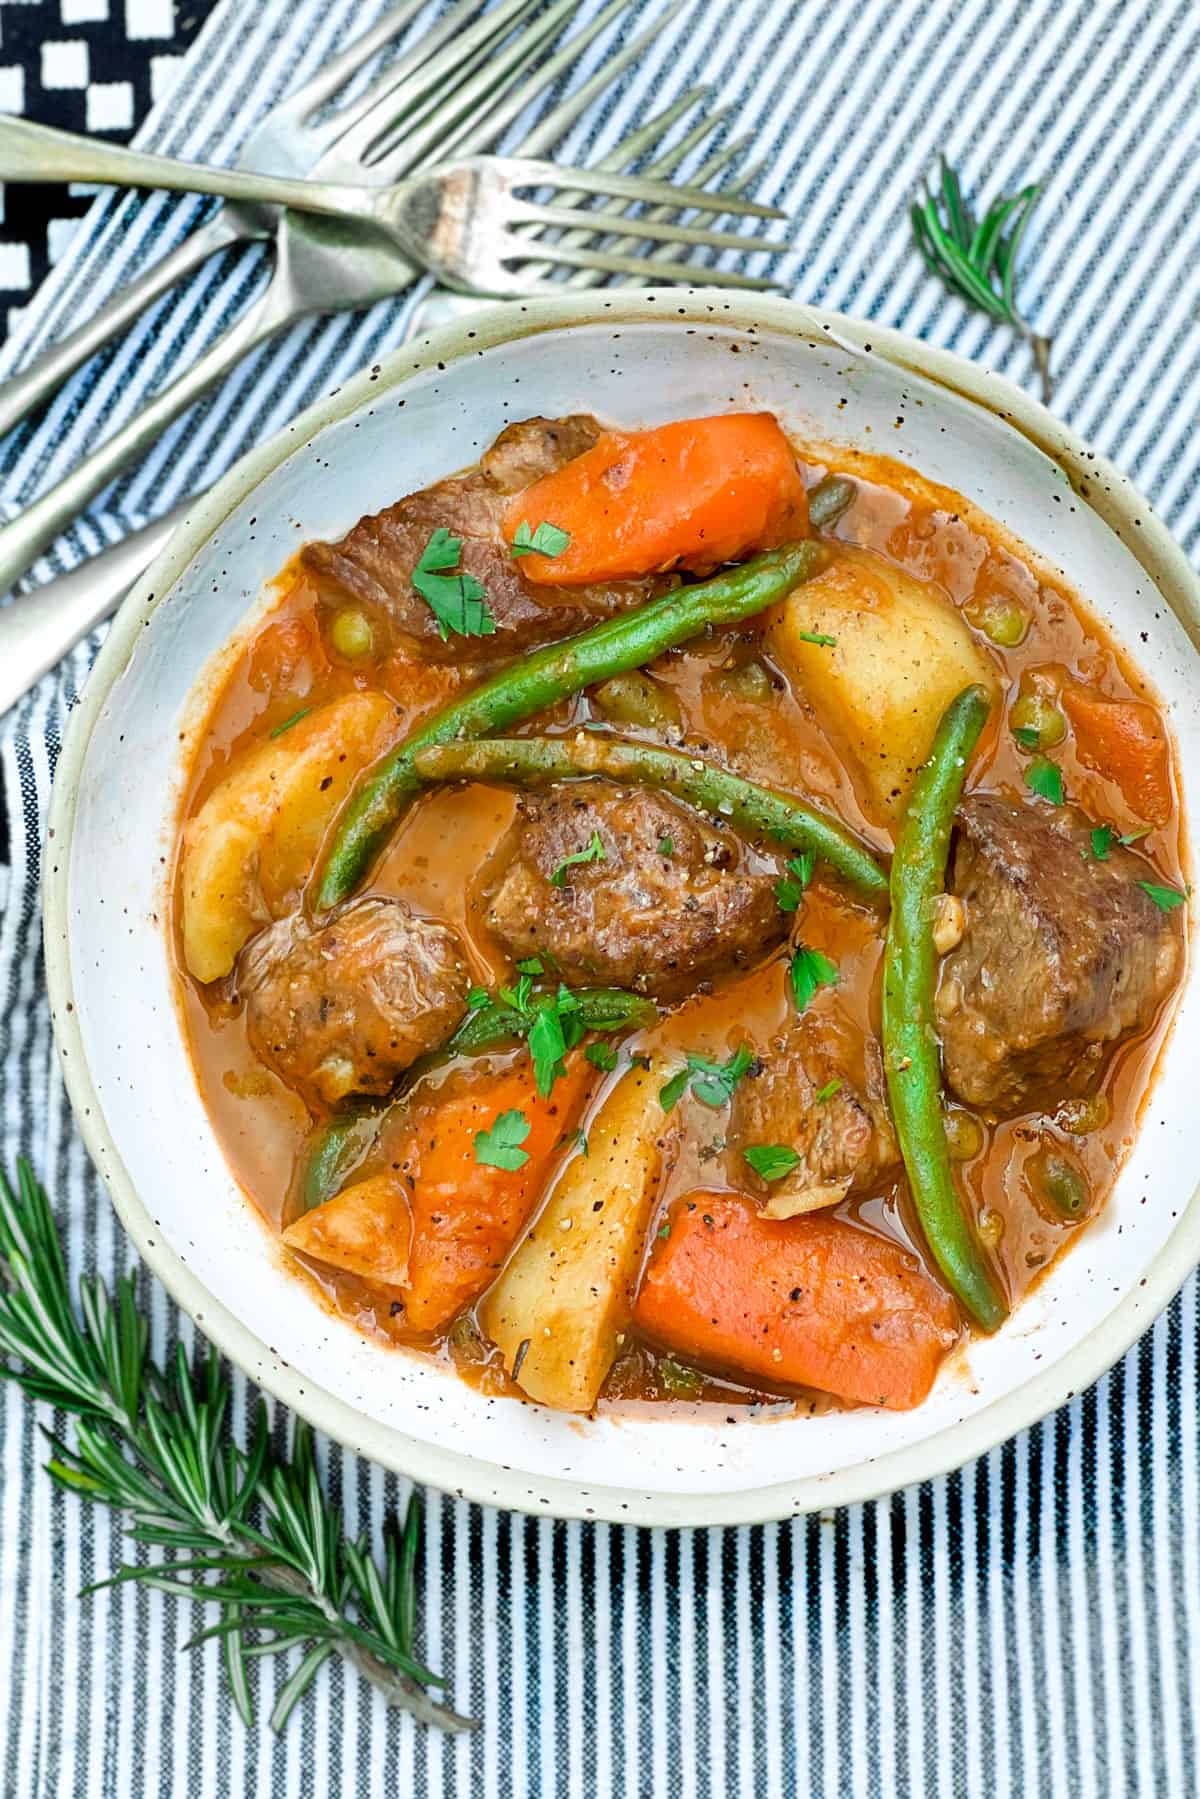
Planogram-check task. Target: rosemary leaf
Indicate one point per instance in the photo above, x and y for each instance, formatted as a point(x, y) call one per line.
point(242, 1528)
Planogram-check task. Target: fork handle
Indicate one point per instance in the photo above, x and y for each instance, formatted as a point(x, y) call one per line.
point(38, 629)
point(34, 529)
point(31, 152)
point(40, 380)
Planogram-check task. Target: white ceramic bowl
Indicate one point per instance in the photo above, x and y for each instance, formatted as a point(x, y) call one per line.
point(634, 358)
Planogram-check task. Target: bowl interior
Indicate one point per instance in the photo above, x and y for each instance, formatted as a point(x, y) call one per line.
point(417, 423)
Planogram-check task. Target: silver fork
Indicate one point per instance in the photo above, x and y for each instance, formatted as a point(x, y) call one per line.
point(288, 140)
point(312, 272)
point(461, 220)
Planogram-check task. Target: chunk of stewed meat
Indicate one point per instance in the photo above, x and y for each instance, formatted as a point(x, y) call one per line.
point(630, 889)
point(347, 1008)
point(818, 1090)
point(1061, 955)
point(374, 563)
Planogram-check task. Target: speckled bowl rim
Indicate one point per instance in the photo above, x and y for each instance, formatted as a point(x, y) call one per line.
point(1095, 480)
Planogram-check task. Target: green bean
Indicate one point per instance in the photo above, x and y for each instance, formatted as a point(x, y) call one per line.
point(828, 500)
point(910, 1048)
point(338, 1146)
point(539, 680)
point(758, 811)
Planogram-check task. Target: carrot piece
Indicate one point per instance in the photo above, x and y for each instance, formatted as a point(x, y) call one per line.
point(689, 495)
point(1125, 740)
point(364, 1229)
point(805, 1302)
point(466, 1214)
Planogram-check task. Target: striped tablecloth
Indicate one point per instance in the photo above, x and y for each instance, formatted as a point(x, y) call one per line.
point(1028, 1627)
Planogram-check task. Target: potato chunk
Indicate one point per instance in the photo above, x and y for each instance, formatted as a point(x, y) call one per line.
point(902, 652)
point(256, 836)
point(567, 1291)
point(365, 1229)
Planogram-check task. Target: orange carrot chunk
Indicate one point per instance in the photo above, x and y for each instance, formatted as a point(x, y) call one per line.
point(804, 1302)
point(466, 1214)
point(1125, 740)
point(689, 495)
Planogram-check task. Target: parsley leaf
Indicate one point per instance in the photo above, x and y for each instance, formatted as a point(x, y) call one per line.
point(1102, 836)
point(666, 846)
point(810, 970)
point(1027, 736)
point(457, 601)
point(593, 853)
point(602, 1056)
point(1165, 898)
point(477, 998)
point(531, 965)
point(817, 637)
point(1044, 778)
point(711, 1082)
point(547, 1046)
point(501, 1146)
point(289, 722)
point(790, 891)
point(547, 540)
point(827, 1091)
point(771, 1160)
point(1135, 836)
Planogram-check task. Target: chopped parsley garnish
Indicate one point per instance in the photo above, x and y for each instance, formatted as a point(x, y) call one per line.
point(1135, 836)
point(531, 965)
point(1044, 778)
point(790, 891)
point(666, 846)
point(547, 1046)
point(501, 1146)
point(808, 971)
point(579, 1138)
point(1102, 836)
point(827, 1091)
point(602, 1056)
point(293, 720)
point(1165, 898)
point(771, 1161)
point(711, 1082)
point(547, 540)
point(818, 637)
point(457, 600)
point(478, 998)
point(593, 853)
point(1028, 736)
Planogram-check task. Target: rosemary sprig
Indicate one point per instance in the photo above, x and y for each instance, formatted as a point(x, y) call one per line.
point(979, 261)
point(244, 1529)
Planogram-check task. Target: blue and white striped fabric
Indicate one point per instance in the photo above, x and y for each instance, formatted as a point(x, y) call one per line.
point(1030, 1626)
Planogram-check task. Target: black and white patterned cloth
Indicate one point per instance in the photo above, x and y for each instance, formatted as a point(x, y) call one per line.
point(1028, 1628)
point(83, 65)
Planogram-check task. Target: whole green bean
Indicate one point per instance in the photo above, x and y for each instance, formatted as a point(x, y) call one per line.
point(758, 811)
point(342, 1142)
point(539, 680)
point(828, 500)
point(910, 1046)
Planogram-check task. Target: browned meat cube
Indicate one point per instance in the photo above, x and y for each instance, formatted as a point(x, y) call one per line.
point(666, 904)
point(1061, 955)
point(820, 1092)
point(374, 562)
point(346, 1008)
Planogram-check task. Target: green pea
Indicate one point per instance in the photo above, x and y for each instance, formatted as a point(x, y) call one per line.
point(637, 699)
point(350, 633)
point(1063, 1186)
point(964, 1134)
point(1005, 622)
point(1033, 712)
point(750, 681)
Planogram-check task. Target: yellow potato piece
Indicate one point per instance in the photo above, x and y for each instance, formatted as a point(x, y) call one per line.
point(256, 837)
point(568, 1289)
point(902, 653)
point(366, 1229)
